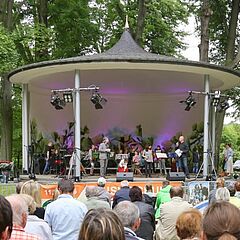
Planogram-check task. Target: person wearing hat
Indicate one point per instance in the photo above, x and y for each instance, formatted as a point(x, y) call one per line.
point(103, 156)
point(103, 194)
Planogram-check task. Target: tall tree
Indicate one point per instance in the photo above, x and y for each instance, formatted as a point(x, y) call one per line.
point(7, 49)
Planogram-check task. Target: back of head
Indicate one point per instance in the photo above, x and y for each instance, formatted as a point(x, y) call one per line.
point(30, 203)
point(101, 224)
point(32, 188)
point(222, 194)
point(221, 221)
point(128, 213)
point(19, 208)
point(92, 191)
point(237, 186)
point(124, 183)
point(135, 194)
point(65, 186)
point(101, 182)
point(220, 182)
point(176, 192)
point(6, 216)
point(189, 224)
point(149, 188)
point(165, 183)
point(232, 190)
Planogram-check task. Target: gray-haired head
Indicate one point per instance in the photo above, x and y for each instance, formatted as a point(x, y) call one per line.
point(222, 194)
point(19, 208)
point(92, 191)
point(128, 213)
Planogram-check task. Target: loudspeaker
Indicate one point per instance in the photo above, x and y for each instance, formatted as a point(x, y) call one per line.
point(175, 176)
point(124, 176)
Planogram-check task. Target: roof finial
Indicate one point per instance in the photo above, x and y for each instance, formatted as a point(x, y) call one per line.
point(126, 23)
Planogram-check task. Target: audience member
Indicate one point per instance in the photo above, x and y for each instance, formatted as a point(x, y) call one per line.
point(129, 215)
point(6, 219)
point(18, 187)
point(169, 213)
point(103, 193)
point(147, 226)
point(189, 225)
point(93, 201)
point(222, 194)
point(237, 187)
point(122, 194)
point(163, 196)
point(65, 215)
point(233, 199)
point(149, 196)
point(101, 224)
point(220, 182)
point(32, 188)
point(35, 224)
point(20, 213)
point(221, 221)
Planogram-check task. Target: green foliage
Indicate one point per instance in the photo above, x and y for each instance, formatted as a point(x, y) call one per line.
point(74, 33)
point(231, 134)
point(8, 54)
point(162, 33)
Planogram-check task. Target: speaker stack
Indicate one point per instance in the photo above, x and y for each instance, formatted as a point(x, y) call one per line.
point(175, 176)
point(124, 176)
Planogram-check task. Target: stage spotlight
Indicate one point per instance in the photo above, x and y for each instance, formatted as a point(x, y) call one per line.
point(67, 96)
point(98, 100)
point(216, 98)
point(57, 102)
point(223, 106)
point(190, 102)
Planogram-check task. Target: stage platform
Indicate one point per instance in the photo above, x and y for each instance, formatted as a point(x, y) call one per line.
point(44, 179)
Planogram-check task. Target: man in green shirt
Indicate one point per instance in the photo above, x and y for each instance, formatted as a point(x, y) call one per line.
point(162, 196)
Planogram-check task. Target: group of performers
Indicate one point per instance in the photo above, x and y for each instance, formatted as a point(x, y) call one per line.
point(145, 161)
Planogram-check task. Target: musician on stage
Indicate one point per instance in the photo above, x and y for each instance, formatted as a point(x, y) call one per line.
point(50, 153)
point(182, 152)
point(103, 156)
point(91, 159)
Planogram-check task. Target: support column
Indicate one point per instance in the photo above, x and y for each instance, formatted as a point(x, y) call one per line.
point(25, 127)
point(213, 135)
point(77, 173)
point(206, 125)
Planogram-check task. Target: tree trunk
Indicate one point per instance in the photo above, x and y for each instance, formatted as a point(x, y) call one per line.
point(232, 31)
point(206, 13)
point(140, 21)
point(6, 119)
point(230, 54)
point(6, 90)
point(42, 9)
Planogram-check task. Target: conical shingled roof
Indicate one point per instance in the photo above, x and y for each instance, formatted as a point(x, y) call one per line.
point(125, 45)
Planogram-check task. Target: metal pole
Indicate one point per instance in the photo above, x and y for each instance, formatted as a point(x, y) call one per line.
point(25, 128)
point(213, 135)
point(77, 174)
point(206, 125)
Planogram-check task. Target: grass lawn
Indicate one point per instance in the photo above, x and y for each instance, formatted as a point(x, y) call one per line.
point(7, 189)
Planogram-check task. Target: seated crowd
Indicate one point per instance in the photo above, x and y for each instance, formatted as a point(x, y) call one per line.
point(130, 214)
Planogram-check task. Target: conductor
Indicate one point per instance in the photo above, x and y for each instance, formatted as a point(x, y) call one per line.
point(182, 152)
point(103, 156)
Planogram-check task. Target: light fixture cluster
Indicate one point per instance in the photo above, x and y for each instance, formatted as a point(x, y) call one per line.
point(98, 100)
point(57, 101)
point(218, 100)
point(60, 97)
point(190, 102)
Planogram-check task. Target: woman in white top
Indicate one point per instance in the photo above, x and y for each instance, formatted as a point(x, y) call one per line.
point(36, 225)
